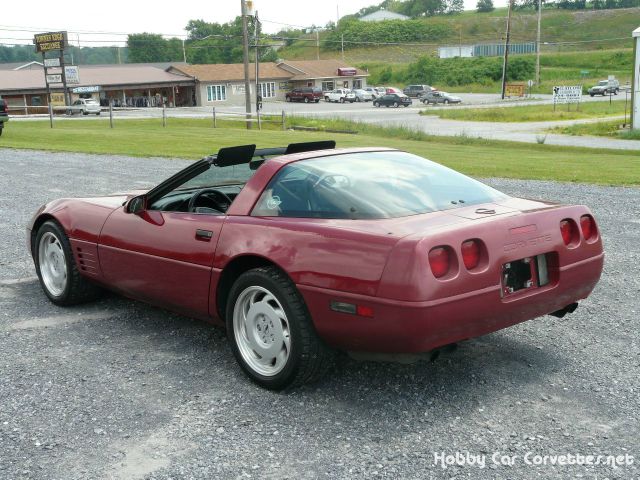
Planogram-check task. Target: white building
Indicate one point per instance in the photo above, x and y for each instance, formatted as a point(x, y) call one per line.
point(382, 15)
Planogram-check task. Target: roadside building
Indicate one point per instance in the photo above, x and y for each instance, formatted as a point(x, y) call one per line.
point(324, 74)
point(173, 84)
point(135, 85)
point(218, 84)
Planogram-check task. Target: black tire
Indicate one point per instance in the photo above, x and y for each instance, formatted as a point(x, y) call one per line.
point(85, 112)
point(446, 102)
point(591, 94)
point(78, 288)
point(287, 99)
point(395, 104)
point(309, 358)
point(98, 113)
point(615, 92)
point(1, 128)
point(317, 100)
point(306, 99)
point(341, 99)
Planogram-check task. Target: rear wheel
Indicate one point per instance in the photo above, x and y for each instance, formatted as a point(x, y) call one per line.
point(287, 99)
point(271, 332)
point(341, 99)
point(56, 268)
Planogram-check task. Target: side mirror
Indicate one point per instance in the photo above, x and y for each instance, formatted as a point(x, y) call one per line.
point(136, 204)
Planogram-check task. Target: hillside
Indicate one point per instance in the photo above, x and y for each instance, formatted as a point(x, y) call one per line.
point(562, 31)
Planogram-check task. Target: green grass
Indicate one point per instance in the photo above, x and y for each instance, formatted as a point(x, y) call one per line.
point(589, 28)
point(600, 129)
point(195, 138)
point(531, 113)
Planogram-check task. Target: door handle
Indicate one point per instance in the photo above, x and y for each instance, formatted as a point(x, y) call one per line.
point(205, 235)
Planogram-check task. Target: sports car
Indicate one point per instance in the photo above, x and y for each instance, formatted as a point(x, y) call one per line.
point(306, 250)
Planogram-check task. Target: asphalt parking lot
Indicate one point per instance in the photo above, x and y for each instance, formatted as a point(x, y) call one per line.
point(118, 389)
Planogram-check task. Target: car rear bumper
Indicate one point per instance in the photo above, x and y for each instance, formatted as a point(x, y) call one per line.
point(411, 327)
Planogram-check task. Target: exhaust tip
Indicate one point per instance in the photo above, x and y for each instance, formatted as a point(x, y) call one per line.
point(563, 311)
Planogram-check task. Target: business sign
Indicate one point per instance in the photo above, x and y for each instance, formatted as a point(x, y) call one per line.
point(52, 62)
point(57, 100)
point(347, 72)
point(54, 78)
point(47, 42)
point(72, 74)
point(91, 89)
point(567, 94)
point(514, 90)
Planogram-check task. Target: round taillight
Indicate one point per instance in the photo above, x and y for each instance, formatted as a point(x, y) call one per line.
point(471, 254)
point(440, 261)
point(568, 231)
point(588, 227)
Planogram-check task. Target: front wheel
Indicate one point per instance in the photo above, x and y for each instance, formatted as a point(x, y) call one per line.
point(271, 332)
point(1, 128)
point(306, 99)
point(341, 99)
point(57, 270)
point(395, 104)
point(287, 99)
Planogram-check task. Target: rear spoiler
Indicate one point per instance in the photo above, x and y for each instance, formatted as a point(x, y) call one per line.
point(248, 154)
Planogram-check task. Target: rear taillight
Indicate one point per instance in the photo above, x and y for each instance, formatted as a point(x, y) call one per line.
point(471, 254)
point(569, 231)
point(440, 261)
point(588, 227)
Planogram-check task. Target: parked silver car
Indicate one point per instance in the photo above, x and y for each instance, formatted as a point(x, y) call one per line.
point(85, 106)
point(438, 96)
point(361, 95)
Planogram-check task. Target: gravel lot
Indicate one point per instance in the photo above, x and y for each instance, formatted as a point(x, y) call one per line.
point(118, 389)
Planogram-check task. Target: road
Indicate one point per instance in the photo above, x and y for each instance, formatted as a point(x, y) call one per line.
point(529, 132)
point(120, 390)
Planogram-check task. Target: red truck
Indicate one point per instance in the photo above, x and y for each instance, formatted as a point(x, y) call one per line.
point(306, 95)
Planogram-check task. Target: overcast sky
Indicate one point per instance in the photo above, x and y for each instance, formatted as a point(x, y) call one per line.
point(19, 21)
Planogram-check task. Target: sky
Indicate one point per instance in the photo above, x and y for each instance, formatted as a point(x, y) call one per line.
point(19, 21)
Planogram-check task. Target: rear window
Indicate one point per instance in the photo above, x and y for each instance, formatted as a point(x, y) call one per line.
point(368, 185)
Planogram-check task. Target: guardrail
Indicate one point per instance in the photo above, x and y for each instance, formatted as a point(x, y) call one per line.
point(152, 112)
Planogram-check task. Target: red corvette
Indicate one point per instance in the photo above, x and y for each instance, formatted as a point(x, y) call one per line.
point(304, 250)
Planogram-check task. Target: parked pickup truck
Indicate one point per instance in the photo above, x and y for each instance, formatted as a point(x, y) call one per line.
point(338, 95)
point(4, 116)
point(306, 95)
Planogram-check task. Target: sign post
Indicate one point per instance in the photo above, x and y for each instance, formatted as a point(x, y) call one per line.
point(564, 94)
point(53, 42)
point(635, 83)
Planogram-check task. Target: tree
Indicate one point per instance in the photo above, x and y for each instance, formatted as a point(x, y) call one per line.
point(485, 6)
point(454, 6)
point(147, 48)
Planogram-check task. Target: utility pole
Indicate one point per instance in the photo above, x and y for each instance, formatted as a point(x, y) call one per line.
point(538, 43)
point(506, 50)
point(245, 54)
point(184, 52)
point(342, 45)
point(317, 44)
point(258, 93)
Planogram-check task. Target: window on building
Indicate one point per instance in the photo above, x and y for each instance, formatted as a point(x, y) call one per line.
point(216, 93)
point(268, 89)
point(328, 86)
point(357, 84)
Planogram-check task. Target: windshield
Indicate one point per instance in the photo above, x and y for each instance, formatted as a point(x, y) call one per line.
point(603, 83)
point(217, 176)
point(369, 185)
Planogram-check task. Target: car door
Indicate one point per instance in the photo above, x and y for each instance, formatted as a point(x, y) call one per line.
point(164, 258)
